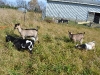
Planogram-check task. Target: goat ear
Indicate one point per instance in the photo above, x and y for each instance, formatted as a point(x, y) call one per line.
point(68, 31)
point(18, 23)
point(76, 44)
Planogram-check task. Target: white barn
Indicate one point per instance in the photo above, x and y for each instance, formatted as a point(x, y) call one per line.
point(80, 10)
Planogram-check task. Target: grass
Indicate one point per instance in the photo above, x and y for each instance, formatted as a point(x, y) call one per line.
point(54, 55)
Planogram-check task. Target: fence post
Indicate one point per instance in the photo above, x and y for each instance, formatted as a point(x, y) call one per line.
point(24, 16)
point(76, 20)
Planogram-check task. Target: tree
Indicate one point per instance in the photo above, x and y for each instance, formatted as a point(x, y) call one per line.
point(33, 5)
point(42, 4)
point(2, 3)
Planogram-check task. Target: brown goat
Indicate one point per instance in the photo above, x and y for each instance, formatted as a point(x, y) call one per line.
point(76, 37)
point(27, 32)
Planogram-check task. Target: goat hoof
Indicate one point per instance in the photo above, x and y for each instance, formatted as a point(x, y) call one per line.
point(30, 52)
point(38, 41)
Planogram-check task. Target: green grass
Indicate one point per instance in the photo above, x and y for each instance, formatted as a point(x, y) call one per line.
point(54, 55)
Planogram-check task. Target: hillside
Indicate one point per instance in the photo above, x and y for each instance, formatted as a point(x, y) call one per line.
point(54, 55)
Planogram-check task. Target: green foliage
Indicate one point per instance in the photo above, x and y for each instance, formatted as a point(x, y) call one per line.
point(13, 72)
point(9, 45)
point(69, 69)
point(7, 6)
point(9, 31)
point(87, 71)
point(66, 39)
point(47, 38)
point(30, 69)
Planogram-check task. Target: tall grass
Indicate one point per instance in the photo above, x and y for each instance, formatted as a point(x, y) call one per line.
point(54, 55)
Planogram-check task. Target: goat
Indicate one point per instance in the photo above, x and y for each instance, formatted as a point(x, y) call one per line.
point(27, 32)
point(76, 37)
point(21, 43)
point(63, 21)
point(87, 46)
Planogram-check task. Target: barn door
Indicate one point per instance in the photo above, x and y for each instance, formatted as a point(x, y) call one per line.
point(91, 16)
point(96, 18)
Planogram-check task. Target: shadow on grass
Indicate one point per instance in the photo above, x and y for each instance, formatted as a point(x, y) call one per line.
point(64, 38)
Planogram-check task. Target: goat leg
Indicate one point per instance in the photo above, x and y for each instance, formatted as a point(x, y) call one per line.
point(30, 51)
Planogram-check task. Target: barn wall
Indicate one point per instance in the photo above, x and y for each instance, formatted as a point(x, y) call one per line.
point(70, 11)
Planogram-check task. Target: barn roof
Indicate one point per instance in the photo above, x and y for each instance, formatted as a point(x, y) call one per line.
point(87, 2)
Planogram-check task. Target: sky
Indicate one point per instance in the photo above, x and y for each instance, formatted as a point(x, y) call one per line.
point(15, 0)
point(42, 3)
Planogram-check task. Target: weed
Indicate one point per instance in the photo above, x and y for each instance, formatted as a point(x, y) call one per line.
point(13, 72)
point(87, 71)
point(47, 38)
point(66, 39)
point(9, 45)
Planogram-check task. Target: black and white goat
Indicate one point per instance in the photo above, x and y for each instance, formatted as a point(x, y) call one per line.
point(33, 33)
point(21, 43)
point(87, 46)
point(76, 37)
point(63, 21)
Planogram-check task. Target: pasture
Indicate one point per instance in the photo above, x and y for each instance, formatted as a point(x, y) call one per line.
point(54, 55)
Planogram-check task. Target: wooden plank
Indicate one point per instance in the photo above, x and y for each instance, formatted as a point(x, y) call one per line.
point(84, 22)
